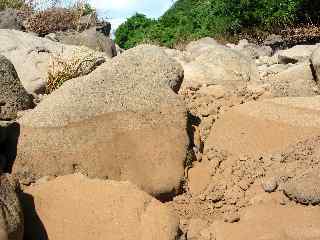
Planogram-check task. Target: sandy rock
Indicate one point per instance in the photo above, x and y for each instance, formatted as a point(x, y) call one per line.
point(13, 96)
point(122, 121)
point(298, 53)
point(75, 207)
point(271, 222)
point(270, 184)
point(252, 50)
point(11, 217)
point(304, 189)
point(196, 225)
point(267, 126)
point(32, 56)
point(199, 178)
point(219, 65)
point(90, 38)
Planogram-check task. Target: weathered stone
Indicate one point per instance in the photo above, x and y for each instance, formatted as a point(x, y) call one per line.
point(13, 96)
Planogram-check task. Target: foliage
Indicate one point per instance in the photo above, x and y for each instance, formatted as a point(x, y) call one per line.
point(15, 4)
point(192, 19)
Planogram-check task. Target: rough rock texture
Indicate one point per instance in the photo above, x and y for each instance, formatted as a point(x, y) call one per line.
point(267, 126)
point(75, 207)
point(197, 48)
point(252, 50)
point(9, 19)
point(121, 122)
point(217, 64)
point(13, 96)
point(90, 38)
point(271, 221)
point(296, 81)
point(315, 63)
point(11, 217)
point(296, 54)
point(304, 189)
point(32, 56)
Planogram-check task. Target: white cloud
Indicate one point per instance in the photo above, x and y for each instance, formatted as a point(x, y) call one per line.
point(113, 4)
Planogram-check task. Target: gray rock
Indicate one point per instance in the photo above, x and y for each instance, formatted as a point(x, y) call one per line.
point(9, 19)
point(11, 215)
point(90, 38)
point(32, 56)
point(304, 189)
point(13, 96)
point(315, 63)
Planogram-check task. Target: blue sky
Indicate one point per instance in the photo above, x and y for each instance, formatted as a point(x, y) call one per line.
point(119, 10)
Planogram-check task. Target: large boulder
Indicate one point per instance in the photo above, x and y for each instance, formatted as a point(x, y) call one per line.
point(90, 38)
point(9, 19)
point(122, 121)
point(216, 64)
point(11, 217)
point(298, 53)
point(32, 56)
point(75, 207)
point(266, 126)
point(13, 96)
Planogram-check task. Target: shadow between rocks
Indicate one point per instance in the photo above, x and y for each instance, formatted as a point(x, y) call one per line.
point(8, 147)
point(33, 226)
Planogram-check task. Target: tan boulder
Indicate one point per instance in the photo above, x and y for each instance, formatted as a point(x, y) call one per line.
point(267, 126)
point(75, 207)
point(315, 63)
point(298, 53)
point(122, 122)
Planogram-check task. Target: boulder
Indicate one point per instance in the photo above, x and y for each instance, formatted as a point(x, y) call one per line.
point(95, 125)
point(11, 217)
point(13, 96)
point(252, 50)
point(219, 65)
point(266, 126)
point(274, 41)
point(9, 19)
point(271, 221)
point(32, 56)
point(296, 81)
point(304, 189)
point(298, 53)
point(196, 48)
point(90, 38)
point(75, 207)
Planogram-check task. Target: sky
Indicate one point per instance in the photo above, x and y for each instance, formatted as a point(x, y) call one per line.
point(117, 11)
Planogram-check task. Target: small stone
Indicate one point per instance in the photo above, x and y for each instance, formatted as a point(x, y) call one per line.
point(269, 185)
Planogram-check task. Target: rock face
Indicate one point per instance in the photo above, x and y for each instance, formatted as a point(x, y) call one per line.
point(9, 19)
point(75, 207)
point(217, 64)
point(13, 96)
point(11, 217)
point(123, 122)
point(90, 38)
point(32, 56)
point(267, 126)
point(271, 222)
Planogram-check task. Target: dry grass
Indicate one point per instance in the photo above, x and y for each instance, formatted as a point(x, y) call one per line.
point(62, 70)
